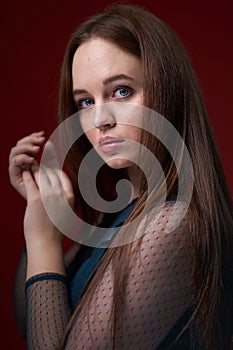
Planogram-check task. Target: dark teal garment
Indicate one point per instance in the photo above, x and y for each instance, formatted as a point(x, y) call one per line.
point(90, 257)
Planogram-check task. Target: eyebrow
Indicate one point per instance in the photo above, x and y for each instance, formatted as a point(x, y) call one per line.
point(105, 82)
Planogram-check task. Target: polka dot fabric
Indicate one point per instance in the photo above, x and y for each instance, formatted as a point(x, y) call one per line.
point(158, 292)
point(48, 311)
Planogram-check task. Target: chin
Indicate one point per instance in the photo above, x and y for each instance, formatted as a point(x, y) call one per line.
point(119, 163)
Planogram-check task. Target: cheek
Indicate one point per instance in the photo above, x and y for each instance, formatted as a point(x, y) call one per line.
point(91, 135)
point(134, 133)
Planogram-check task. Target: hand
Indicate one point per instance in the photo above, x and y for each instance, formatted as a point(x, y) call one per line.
point(47, 184)
point(21, 158)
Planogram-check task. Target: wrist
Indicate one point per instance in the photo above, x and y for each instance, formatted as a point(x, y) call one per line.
point(44, 242)
point(44, 257)
point(43, 239)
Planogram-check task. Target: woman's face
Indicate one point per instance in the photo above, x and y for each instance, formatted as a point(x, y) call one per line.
point(103, 73)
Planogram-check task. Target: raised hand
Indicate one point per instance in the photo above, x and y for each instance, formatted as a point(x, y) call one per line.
point(21, 158)
point(48, 185)
point(43, 238)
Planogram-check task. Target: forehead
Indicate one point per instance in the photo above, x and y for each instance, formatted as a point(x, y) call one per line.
point(100, 58)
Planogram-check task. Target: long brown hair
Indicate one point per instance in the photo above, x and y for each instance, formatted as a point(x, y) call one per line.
point(170, 88)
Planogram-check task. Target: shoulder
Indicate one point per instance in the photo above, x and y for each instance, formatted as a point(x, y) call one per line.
point(165, 234)
point(167, 221)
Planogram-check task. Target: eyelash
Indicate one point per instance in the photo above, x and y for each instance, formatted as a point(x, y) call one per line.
point(79, 103)
point(123, 87)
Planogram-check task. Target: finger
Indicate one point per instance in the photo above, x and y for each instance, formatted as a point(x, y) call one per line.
point(16, 167)
point(21, 160)
point(66, 183)
point(51, 165)
point(30, 149)
point(30, 185)
point(36, 138)
point(58, 180)
point(46, 179)
point(67, 188)
point(50, 176)
point(30, 145)
point(18, 164)
point(35, 172)
point(50, 158)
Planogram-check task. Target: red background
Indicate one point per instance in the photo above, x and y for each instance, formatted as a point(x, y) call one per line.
point(33, 38)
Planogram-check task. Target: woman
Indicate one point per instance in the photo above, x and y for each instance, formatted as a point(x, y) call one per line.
point(160, 289)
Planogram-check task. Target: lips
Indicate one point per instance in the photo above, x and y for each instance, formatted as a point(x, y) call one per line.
point(110, 144)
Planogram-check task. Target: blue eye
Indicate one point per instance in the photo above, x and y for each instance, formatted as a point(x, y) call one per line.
point(122, 92)
point(85, 103)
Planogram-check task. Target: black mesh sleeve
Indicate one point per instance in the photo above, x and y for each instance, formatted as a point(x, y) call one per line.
point(19, 287)
point(48, 310)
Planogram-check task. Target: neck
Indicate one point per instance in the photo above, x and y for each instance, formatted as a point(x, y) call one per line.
point(135, 179)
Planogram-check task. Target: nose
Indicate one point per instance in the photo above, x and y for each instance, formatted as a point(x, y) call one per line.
point(104, 117)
